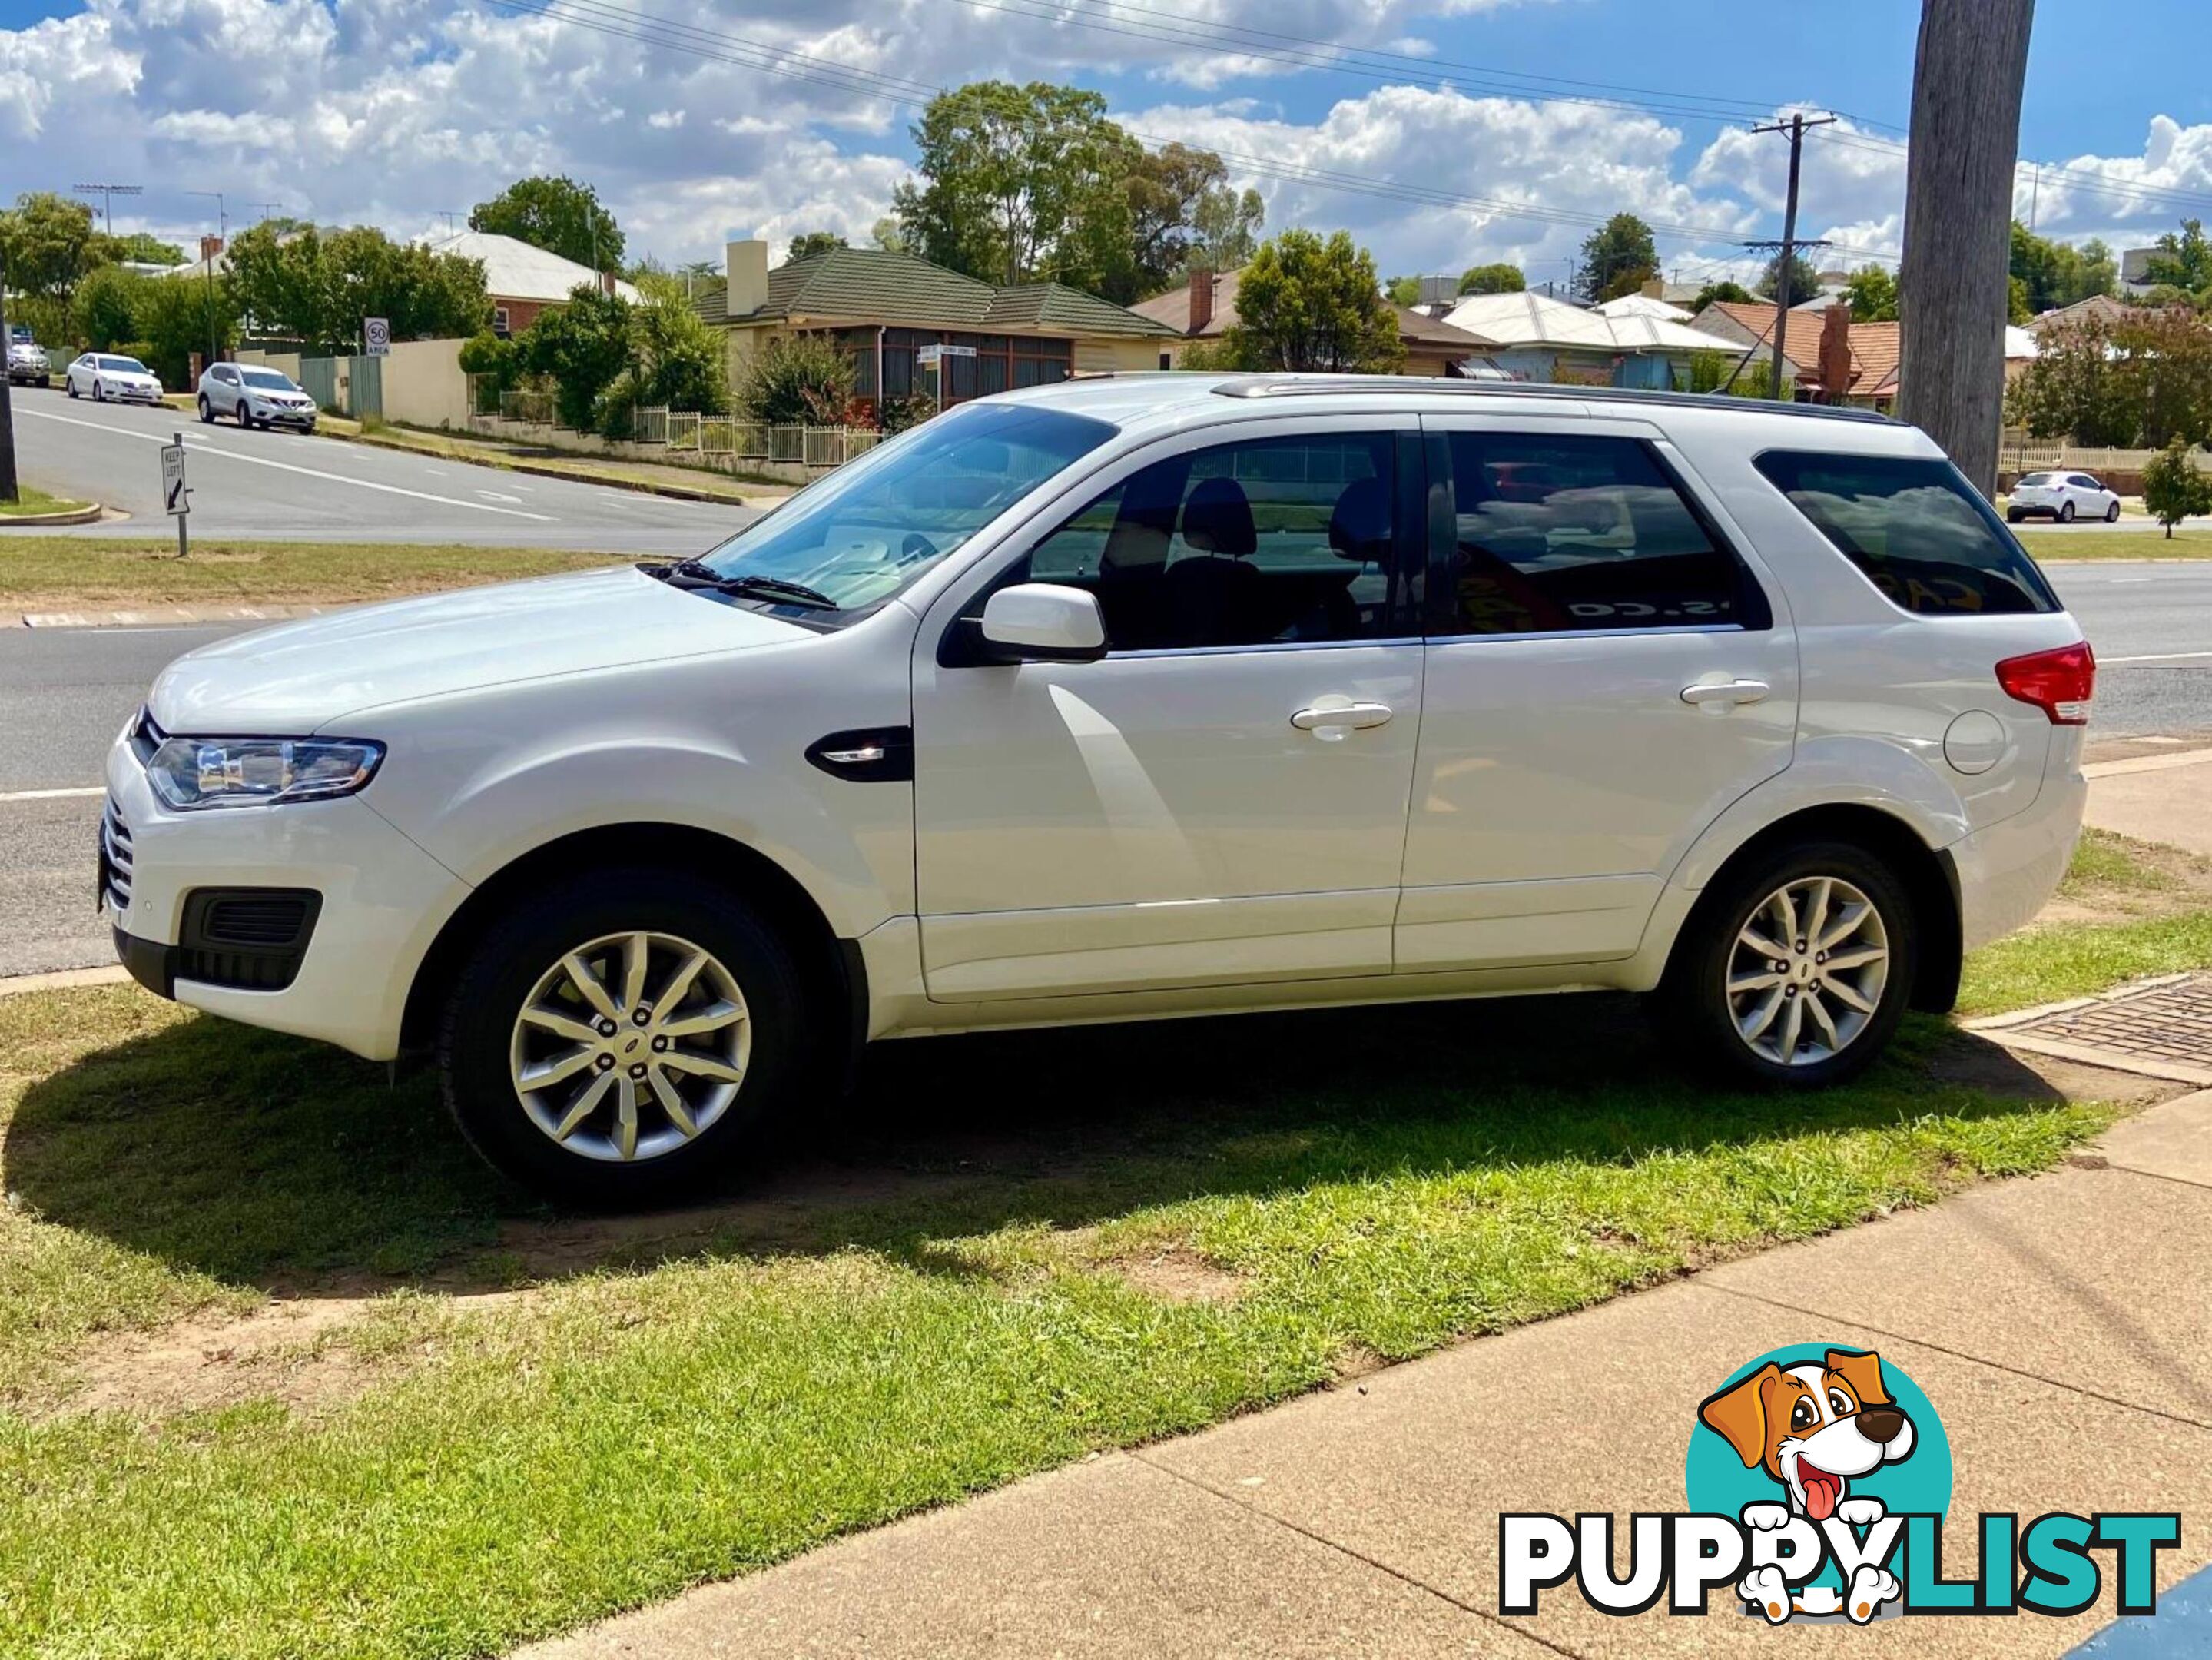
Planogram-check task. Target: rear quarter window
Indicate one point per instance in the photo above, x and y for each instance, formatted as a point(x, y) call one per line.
point(1917, 528)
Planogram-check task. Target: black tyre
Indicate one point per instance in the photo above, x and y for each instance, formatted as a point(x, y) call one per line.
point(2013, 515)
point(98, 393)
point(69, 383)
point(2111, 512)
point(207, 411)
point(2066, 513)
point(666, 1037)
point(1800, 1005)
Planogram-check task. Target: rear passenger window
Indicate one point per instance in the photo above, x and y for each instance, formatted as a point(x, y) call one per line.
point(1917, 528)
point(1555, 533)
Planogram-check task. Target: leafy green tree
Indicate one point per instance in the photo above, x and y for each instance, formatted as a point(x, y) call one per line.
point(1499, 278)
point(806, 245)
point(51, 245)
point(2143, 379)
point(177, 316)
point(1304, 303)
point(1618, 257)
point(1402, 290)
point(557, 214)
point(886, 234)
point(2183, 261)
point(2058, 274)
point(799, 378)
point(318, 289)
point(106, 309)
point(145, 248)
point(583, 346)
point(2018, 309)
point(496, 363)
point(679, 358)
point(2174, 487)
point(1225, 229)
point(1873, 293)
point(1804, 278)
point(1714, 293)
point(1164, 192)
point(1018, 184)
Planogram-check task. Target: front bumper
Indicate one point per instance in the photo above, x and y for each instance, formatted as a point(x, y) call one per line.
point(303, 420)
point(382, 901)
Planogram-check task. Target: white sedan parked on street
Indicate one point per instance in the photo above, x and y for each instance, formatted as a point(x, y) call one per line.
point(102, 375)
point(2064, 496)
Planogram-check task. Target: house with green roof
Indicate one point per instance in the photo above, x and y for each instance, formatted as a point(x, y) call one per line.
point(883, 308)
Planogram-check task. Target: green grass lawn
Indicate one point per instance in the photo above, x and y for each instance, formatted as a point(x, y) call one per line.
point(53, 572)
point(28, 501)
point(1004, 1252)
point(2052, 543)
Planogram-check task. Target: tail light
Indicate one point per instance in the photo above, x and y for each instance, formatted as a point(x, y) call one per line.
point(2060, 683)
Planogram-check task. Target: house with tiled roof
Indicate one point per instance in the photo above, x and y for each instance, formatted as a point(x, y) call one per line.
point(1204, 307)
point(1827, 358)
point(883, 309)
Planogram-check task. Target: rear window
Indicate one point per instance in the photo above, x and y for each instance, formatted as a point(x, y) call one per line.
point(1917, 528)
point(2035, 478)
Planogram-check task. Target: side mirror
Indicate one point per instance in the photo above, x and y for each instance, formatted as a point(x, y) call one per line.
point(1043, 623)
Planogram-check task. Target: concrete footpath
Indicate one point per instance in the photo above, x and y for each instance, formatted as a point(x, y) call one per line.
point(2060, 1326)
point(2155, 797)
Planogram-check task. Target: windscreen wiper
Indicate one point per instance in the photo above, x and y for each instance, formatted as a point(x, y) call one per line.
point(776, 589)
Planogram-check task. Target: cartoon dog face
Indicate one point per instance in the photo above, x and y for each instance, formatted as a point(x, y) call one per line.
point(1812, 1428)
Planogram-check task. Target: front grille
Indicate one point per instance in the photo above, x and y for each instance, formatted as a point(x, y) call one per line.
point(255, 924)
point(115, 858)
point(145, 738)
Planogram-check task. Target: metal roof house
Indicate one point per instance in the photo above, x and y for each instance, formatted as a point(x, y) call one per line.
point(1543, 339)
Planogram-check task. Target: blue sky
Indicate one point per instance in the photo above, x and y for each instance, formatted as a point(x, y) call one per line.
point(397, 111)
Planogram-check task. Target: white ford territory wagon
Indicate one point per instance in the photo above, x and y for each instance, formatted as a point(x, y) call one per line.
point(1128, 698)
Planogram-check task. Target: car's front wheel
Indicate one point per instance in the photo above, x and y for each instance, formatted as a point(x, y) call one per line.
point(1795, 967)
point(207, 411)
point(2111, 512)
point(98, 393)
point(625, 1038)
point(69, 383)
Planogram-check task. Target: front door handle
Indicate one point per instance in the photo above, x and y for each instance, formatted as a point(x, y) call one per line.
point(1719, 696)
point(1330, 718)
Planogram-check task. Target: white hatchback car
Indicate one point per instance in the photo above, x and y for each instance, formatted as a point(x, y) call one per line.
point(2064, 496)
point(102, 375)
point(1128, 698)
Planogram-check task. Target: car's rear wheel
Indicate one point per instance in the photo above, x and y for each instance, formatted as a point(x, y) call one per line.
point(2066, 513)
point(625, 1038)
point(1795, 967)
point(2014, 516)
point(2112, 513)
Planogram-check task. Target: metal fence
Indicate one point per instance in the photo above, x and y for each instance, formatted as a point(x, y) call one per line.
point(533, 408)
point(686, 432)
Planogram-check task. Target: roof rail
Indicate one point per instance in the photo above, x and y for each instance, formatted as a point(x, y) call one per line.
point(1296, 385)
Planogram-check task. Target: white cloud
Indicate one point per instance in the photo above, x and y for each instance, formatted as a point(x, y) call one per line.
point(396, 111)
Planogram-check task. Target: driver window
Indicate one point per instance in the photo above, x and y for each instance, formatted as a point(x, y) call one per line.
point(1272, 541)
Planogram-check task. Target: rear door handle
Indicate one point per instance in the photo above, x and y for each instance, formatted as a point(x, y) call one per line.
point(1721, 695)
point(1330, 718)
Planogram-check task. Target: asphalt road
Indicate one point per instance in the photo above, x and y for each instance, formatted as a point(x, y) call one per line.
point(65, 692)
point(289, 486)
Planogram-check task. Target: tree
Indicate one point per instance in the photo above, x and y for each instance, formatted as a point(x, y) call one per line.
point(177, 316)
point(1163, 194)
point(1225, 228)
point(1804, 278)
point(51, 246)
point(556, 214)
point(1402, 291)
point(797, 378)
point(1017, 184)
point(887, 235)
point(681, 362)
point(2183, 262)
point(145, 248)
point(2058, 274)
point(107, 306)
point(806, 246)
point(1617, 258)
point(1873, 293)
point(318, 289)
point(2143, 379)
point(2174, 487)
point(1304, 303)
point(2070, 388)
point(582, 346)
point(1967, 75)
point(1500, 278)
point(1714, 293)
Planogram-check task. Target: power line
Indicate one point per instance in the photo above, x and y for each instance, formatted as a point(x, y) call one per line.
point(1786, 259)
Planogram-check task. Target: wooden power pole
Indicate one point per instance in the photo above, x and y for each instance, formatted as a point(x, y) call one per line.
point(1787, 258)
point(1953, 295)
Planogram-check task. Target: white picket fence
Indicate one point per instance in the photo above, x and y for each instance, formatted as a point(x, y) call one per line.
point(2020, 453)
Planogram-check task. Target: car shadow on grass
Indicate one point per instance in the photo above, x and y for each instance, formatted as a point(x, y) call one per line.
point(272, 1162)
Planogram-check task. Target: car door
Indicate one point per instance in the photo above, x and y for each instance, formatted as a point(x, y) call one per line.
point(1221, 797)
point(227, 398)
point(1605, 674)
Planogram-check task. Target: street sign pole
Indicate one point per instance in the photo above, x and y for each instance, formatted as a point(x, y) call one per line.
point(176, 499)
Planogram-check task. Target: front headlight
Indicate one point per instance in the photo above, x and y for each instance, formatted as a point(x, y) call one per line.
point(189, 772)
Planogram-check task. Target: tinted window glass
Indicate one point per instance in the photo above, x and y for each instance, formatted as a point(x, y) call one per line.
point(1274, 541)
point(1559, 532)
point(1918, 530)
point(2035, 478)
point(123, 365)
point(267, 379)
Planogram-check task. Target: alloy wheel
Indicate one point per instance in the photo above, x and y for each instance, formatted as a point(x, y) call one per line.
point(1807, 971)
point(630, 1046)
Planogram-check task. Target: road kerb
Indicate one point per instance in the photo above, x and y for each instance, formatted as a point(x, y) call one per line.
point(15, 985)
point(146, 616)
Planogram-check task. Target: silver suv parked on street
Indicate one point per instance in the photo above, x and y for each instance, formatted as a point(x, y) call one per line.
point(255, 396)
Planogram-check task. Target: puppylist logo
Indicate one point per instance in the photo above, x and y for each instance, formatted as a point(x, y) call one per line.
point(1818, 1482)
